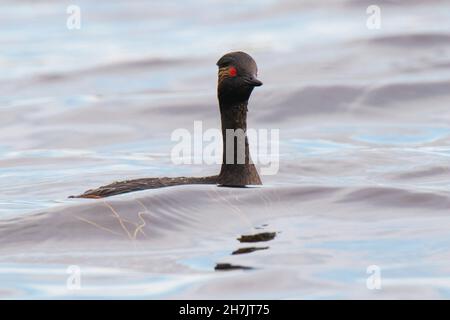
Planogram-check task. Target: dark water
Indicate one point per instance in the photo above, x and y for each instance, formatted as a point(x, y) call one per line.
point(364, 150)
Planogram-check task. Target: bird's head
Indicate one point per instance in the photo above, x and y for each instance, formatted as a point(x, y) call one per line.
point(237, 77)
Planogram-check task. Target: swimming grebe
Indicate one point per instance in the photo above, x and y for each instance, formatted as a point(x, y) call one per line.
point(237, 78)
point(236, 81)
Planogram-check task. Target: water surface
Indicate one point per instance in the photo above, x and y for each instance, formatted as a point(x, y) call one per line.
point(364, 152)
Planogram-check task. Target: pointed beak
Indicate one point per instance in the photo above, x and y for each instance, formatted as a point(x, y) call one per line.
point(252, 81)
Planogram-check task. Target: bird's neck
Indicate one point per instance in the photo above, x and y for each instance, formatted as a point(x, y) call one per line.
point(237, 167)
point(234, 115)
point(234, 122)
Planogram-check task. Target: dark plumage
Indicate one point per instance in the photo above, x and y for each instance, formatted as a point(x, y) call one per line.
point(238, 88)
point(236, 81)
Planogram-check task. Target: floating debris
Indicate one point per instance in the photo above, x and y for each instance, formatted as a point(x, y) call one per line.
point(259, 237)
point(228, 266)
point(249, 250)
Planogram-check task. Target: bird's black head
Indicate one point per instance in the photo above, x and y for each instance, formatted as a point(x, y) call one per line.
point(237, 77)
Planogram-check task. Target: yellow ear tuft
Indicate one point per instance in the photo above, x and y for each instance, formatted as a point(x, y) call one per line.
point(223, 73)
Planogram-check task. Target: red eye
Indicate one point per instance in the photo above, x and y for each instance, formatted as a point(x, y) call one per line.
point(232, 72)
